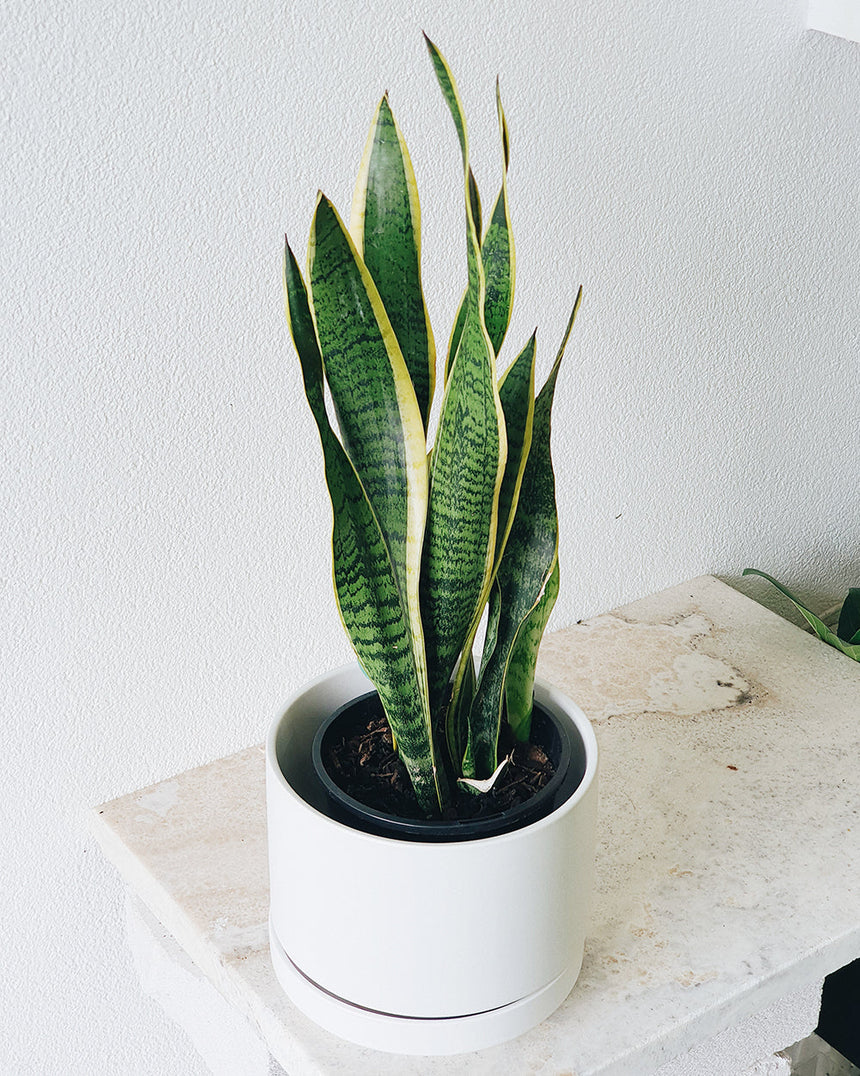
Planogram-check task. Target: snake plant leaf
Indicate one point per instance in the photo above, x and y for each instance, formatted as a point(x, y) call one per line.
point(529, 562)
point(528, 578)
point(520, 681)
point(497, 250)
point(456, 334)
point(467, 467)
point(517, 394)
point(497, 254)
point(457, 714)
point(376, 576)
point(386, 228)
point(368, 598)
point(849, 619)
point(372, 392)
point(449, 92)
point(827, 635)
point(475, 203)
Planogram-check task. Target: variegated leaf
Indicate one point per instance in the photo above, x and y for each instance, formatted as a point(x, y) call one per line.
point(378, 489)
point(467, 466)
point(497, 255)
point(527, 576)
point(386, 229)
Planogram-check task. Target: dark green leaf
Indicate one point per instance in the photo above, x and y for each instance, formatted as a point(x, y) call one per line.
point(467, 465)
point(517, 394)
point(524, 592)
point(849, 619)
point(386, 227)
point(378, 491)
point(497, 252)
point(519, 683)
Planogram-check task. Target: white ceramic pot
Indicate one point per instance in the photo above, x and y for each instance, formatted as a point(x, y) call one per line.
point(414, 947)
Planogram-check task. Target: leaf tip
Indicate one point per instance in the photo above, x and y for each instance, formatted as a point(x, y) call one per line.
point(323, 202)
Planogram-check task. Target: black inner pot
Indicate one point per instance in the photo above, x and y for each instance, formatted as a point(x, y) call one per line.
point(557, 736)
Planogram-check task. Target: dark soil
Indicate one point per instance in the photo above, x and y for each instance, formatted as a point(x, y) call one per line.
point(363, 763)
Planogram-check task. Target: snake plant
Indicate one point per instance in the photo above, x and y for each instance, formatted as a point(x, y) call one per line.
point(425, 540)
point(846, 638)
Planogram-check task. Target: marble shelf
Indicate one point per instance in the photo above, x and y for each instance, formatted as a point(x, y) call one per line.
point(728, 848)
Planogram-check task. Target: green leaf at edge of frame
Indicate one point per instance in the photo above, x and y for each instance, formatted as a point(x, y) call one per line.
point(849, 618)
point(824, 633)
point(386, 227)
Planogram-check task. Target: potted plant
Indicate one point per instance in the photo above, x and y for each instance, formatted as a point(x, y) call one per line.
point(846, 638)
point(447, 911)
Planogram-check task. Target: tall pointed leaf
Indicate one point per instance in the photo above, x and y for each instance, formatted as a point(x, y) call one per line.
point(526, 581)
point(383, 437)
point(497, 255)
point(497, 251)
point(517, 393)
point(386, 228)
point(457, 717)
point(520, 680)
point(467, 466)
point(827, 635)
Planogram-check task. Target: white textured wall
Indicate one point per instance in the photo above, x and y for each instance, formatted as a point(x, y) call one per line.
point(164, 576)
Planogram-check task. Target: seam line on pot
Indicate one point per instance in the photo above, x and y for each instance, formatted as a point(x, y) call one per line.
point(394, 1015)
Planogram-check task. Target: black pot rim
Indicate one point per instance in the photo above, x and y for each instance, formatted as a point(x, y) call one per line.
point(564, 782)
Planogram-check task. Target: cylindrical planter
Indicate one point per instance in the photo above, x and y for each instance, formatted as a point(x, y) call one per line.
point(427, 948)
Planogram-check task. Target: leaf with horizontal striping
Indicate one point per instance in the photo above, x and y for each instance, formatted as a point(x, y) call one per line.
point(386, 228)
point(375, 583)
point(497, 256)
point(497, 251)
point(525, 590)
point(520, 678)
point(467, 467)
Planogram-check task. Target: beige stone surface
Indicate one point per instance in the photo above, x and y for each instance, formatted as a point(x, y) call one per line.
point(728, 846)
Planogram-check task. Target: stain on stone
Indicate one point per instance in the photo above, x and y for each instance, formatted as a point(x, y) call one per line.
point(626, 667)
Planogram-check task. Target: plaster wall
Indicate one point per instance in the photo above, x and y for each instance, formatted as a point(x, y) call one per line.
point(164, 562)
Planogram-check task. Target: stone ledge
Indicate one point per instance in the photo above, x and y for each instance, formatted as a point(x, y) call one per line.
point(728, 838)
